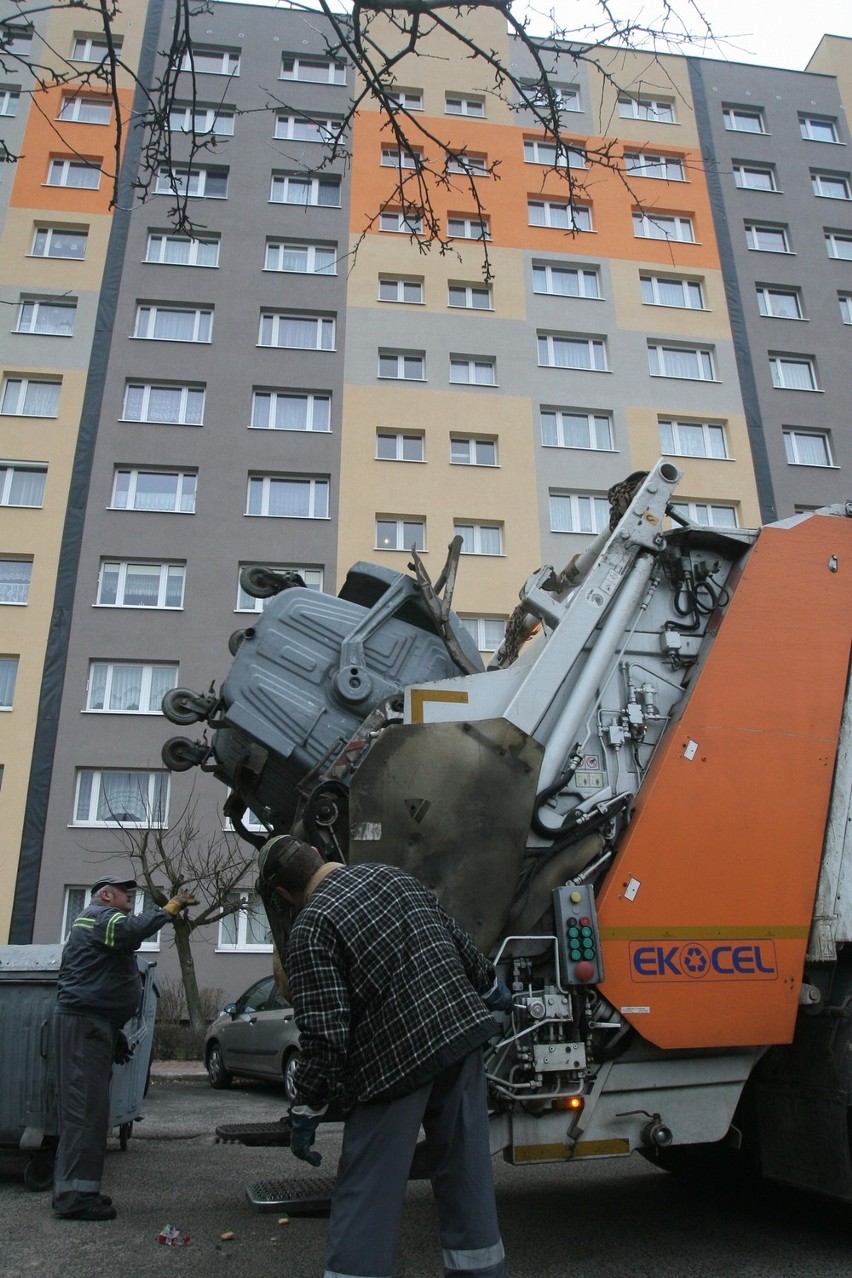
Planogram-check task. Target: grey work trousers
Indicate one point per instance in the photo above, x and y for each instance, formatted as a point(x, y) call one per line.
point(378, 1145)
point(85, 1046)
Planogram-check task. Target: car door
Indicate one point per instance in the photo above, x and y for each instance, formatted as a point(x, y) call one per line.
point(239, 1037)
point(272, 1029)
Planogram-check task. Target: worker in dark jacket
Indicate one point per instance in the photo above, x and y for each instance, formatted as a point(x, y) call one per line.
point(99, 988)
point(392, 1003)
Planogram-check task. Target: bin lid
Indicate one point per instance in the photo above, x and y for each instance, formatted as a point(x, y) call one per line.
point(29, 958)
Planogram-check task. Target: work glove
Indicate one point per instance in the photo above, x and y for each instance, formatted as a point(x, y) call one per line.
point(123, 1051)
point(303, 1130)
point(498, 998)
point(179, 902)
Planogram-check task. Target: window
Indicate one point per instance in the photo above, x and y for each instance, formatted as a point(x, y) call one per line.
point(56, 241)
point(297, 332)
point(312, 577)
point(9, 100)
point(475, 297)
point(744, 119)
point(480, 539)
point(793, 372)
point(140, 585)
point(15, 577)
point(247, 930)
point(182, 250)
point(565, 281)
point(173, 324)
point(663, 226)
point(400, 534)
point(8, 679)
point(572, 428)
point(29, 397)
point(468, 228)
point(658, 110)
point(807, 448)
point(301, 259)
point(109, 797)
point(47, 317)
point(578, 512)
point(672, 290)
point(473, 370)
point(708, 514)
point(839, 244)
point(693, 439)
point(472, 165)
point(816, 128)
point(172, 405)
point(201, 182)
point(312, 70)
point(554, 213)
point(690, 362)
point(288, 498)
point(468, 450)
point(86, 110)
point(22, 484)
point(556, 350)
point(831, 186)
point(155, 490)
point(401, 223)
point(16, 41)
point(77, 898)
point(78, 173)
point(755, 177)
point(290, 410)
point(399, 288)
point(303, 128)
point(291, 189)
point(779, 303)
point(642, 164)
point(486, 632)
point(125, 687)
point(186, 117)
point(93, 48)
point(845, 300)
point(408, 99)
point(456, 105)
point(211, 60)
point(397, 445)
point(394, 157)
point(543, 96)
point(767, 239)
point(405, 365)
point(561, 156)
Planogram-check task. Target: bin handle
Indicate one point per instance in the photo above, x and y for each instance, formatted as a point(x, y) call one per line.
point(42, 1046)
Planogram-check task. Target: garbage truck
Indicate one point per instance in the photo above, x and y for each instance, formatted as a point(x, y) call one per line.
point(640, 810)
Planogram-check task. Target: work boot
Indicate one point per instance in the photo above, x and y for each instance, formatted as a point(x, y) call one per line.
point(96, 1210)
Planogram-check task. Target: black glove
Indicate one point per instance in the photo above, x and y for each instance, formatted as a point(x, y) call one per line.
point(123, 1051)
point(498, 998)
point(304, 1129)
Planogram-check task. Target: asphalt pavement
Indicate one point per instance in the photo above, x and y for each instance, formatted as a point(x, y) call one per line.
point(602, 1219)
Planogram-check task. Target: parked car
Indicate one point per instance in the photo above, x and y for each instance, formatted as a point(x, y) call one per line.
point(256, 1037)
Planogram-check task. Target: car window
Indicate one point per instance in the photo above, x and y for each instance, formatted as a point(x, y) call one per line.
point(255, 998)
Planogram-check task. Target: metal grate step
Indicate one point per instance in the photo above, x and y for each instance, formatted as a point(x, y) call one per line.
point(255, 1133)
point(298, 1196)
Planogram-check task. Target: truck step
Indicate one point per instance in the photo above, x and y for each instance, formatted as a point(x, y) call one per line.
point(297, 1196)
point(255, 1133)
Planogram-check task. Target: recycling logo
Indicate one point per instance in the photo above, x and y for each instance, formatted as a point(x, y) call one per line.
point(694, 960)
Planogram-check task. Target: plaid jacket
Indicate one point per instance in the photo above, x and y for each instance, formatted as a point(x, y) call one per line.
point(384, 984)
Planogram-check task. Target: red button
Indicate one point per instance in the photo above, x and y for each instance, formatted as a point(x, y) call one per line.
point(585, 922)
point(584, 971)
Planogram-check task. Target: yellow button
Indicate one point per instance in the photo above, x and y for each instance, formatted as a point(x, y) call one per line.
point(576, 896)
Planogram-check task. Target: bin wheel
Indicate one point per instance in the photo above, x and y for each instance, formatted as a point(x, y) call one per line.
point(179, 754)
point(38, 1174)
point(183, 706)
point(125, 1131)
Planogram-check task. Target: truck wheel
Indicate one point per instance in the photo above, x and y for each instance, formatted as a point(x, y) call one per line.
point(38, 1174)
point(714, 1161)
point(125, 1131)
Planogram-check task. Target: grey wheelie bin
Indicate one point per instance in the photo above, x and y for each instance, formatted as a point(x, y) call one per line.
point(28, 1121)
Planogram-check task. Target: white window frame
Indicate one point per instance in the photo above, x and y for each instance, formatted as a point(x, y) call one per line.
point(754, 231)
point(468, 228)
point(576, 513)
point(404, 359)
point(473, 450)
point(766, 292)
point(335, 72)
point(595, 346)
point(469, 164)
point(10, 99)
point(314, 253)
point(486, 632)
point(167, 571)
point(821, 182)
point(657, 110)
point(473, 370)
point(470, 297)
point(317, 409)
point(144, 690)
point(11, 663)
point(93, 48)
point(845, 302)
point(272, 327)
point(832, 241)
point(251, 905)
point(311, 185)
point(708, 514)
point(202, 59)
point(50, 232)
point(671, 227)
point(10, 471)
point(395, 222)
point(553, 156)
point(60, 172)
point(200, 120)
point(142, 902)
point(778, 363)
point(400, 284)
point(148, 315)
point(735, 117)
point(553, 272)
point(263, 488)
point(407, 530)
point(184, 389)
point(312, 577)
point(304, 128)
point(794, 446)
point(566, 96)
point(402, 444)
point(16, 576)
point(743, 170)
point(661, 361)
point(85, 108)
point(559, 215)
point(678, 436)
point(406, 99)
point(156, 251)
point(470, 105)
point(480, 534)
point(646, 164)
point(154, 798)
point(555, 434)
point(689, 288)
point(34, 313)
point(191, 181)
point(186, 485)
point(14, 402)
point(395, 157)
point(809, 124)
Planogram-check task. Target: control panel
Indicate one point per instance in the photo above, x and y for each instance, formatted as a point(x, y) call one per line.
point(580, 961)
